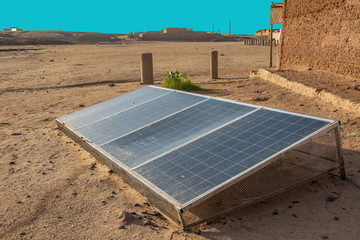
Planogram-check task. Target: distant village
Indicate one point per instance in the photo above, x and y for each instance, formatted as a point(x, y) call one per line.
point(188, 34)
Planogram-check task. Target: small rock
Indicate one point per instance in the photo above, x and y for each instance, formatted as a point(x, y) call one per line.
point(294, 215)
point(275, 212)
point(122, 227)
point(324, 237)
point(93, 166)
point(144, 212)
point(332, 197)
point(126, 217)
point(149, 223)
point(336, 218)
point(103, 202)
point(16, 134)
point(289, 207)
point(221, 54)
point(147, 204)
point(12, 163)
point(19, 202)
point(137, 205)
point(81, 105)
point(157, 214)
point(112, 84)
point(51, 162)
point(22, 234)
point(52, 60)
point(113, 192)
point(295, 202)
point(133, 213)
point(44, 173)
point(198, 232)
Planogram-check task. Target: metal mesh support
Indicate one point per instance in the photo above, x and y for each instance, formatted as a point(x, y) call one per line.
point(302, 163)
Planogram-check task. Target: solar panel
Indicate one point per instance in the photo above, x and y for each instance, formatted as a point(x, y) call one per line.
point(187, 151)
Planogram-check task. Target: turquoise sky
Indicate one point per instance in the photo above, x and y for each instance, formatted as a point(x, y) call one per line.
point(111, 16)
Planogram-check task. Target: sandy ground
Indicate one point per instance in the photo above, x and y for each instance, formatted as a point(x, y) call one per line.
point(52, 189)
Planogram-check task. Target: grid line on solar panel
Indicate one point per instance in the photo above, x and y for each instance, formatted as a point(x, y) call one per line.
point(171, 132)
point(216, 158)
point(134, 118)
point(110, 107)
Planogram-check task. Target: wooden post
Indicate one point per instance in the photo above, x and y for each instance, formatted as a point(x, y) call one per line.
point(214, 64)
point(147, 68)
point(271, 44)
point(340, 153)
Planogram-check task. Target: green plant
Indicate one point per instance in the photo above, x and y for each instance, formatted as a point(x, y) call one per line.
point(177, 80)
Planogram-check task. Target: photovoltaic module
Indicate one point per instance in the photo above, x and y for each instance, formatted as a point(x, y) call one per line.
point(196, 157)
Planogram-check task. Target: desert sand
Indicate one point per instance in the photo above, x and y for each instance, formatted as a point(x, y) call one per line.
point(53, 189)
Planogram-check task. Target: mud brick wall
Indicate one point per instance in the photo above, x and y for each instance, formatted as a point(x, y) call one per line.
point(321, 34)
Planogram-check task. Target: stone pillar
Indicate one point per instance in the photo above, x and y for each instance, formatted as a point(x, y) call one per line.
point(147, 68)
point(214, 64)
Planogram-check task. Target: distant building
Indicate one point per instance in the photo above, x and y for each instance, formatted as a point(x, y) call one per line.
point(178, 34)
point(266, 32)
point(14, 29)
point(6, 30)
point(276, 35)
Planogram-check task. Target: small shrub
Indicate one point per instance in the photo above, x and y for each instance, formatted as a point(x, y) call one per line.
point(179, 81)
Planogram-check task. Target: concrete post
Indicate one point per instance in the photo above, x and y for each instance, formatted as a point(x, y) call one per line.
point(147, 68)
point(214, 64)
